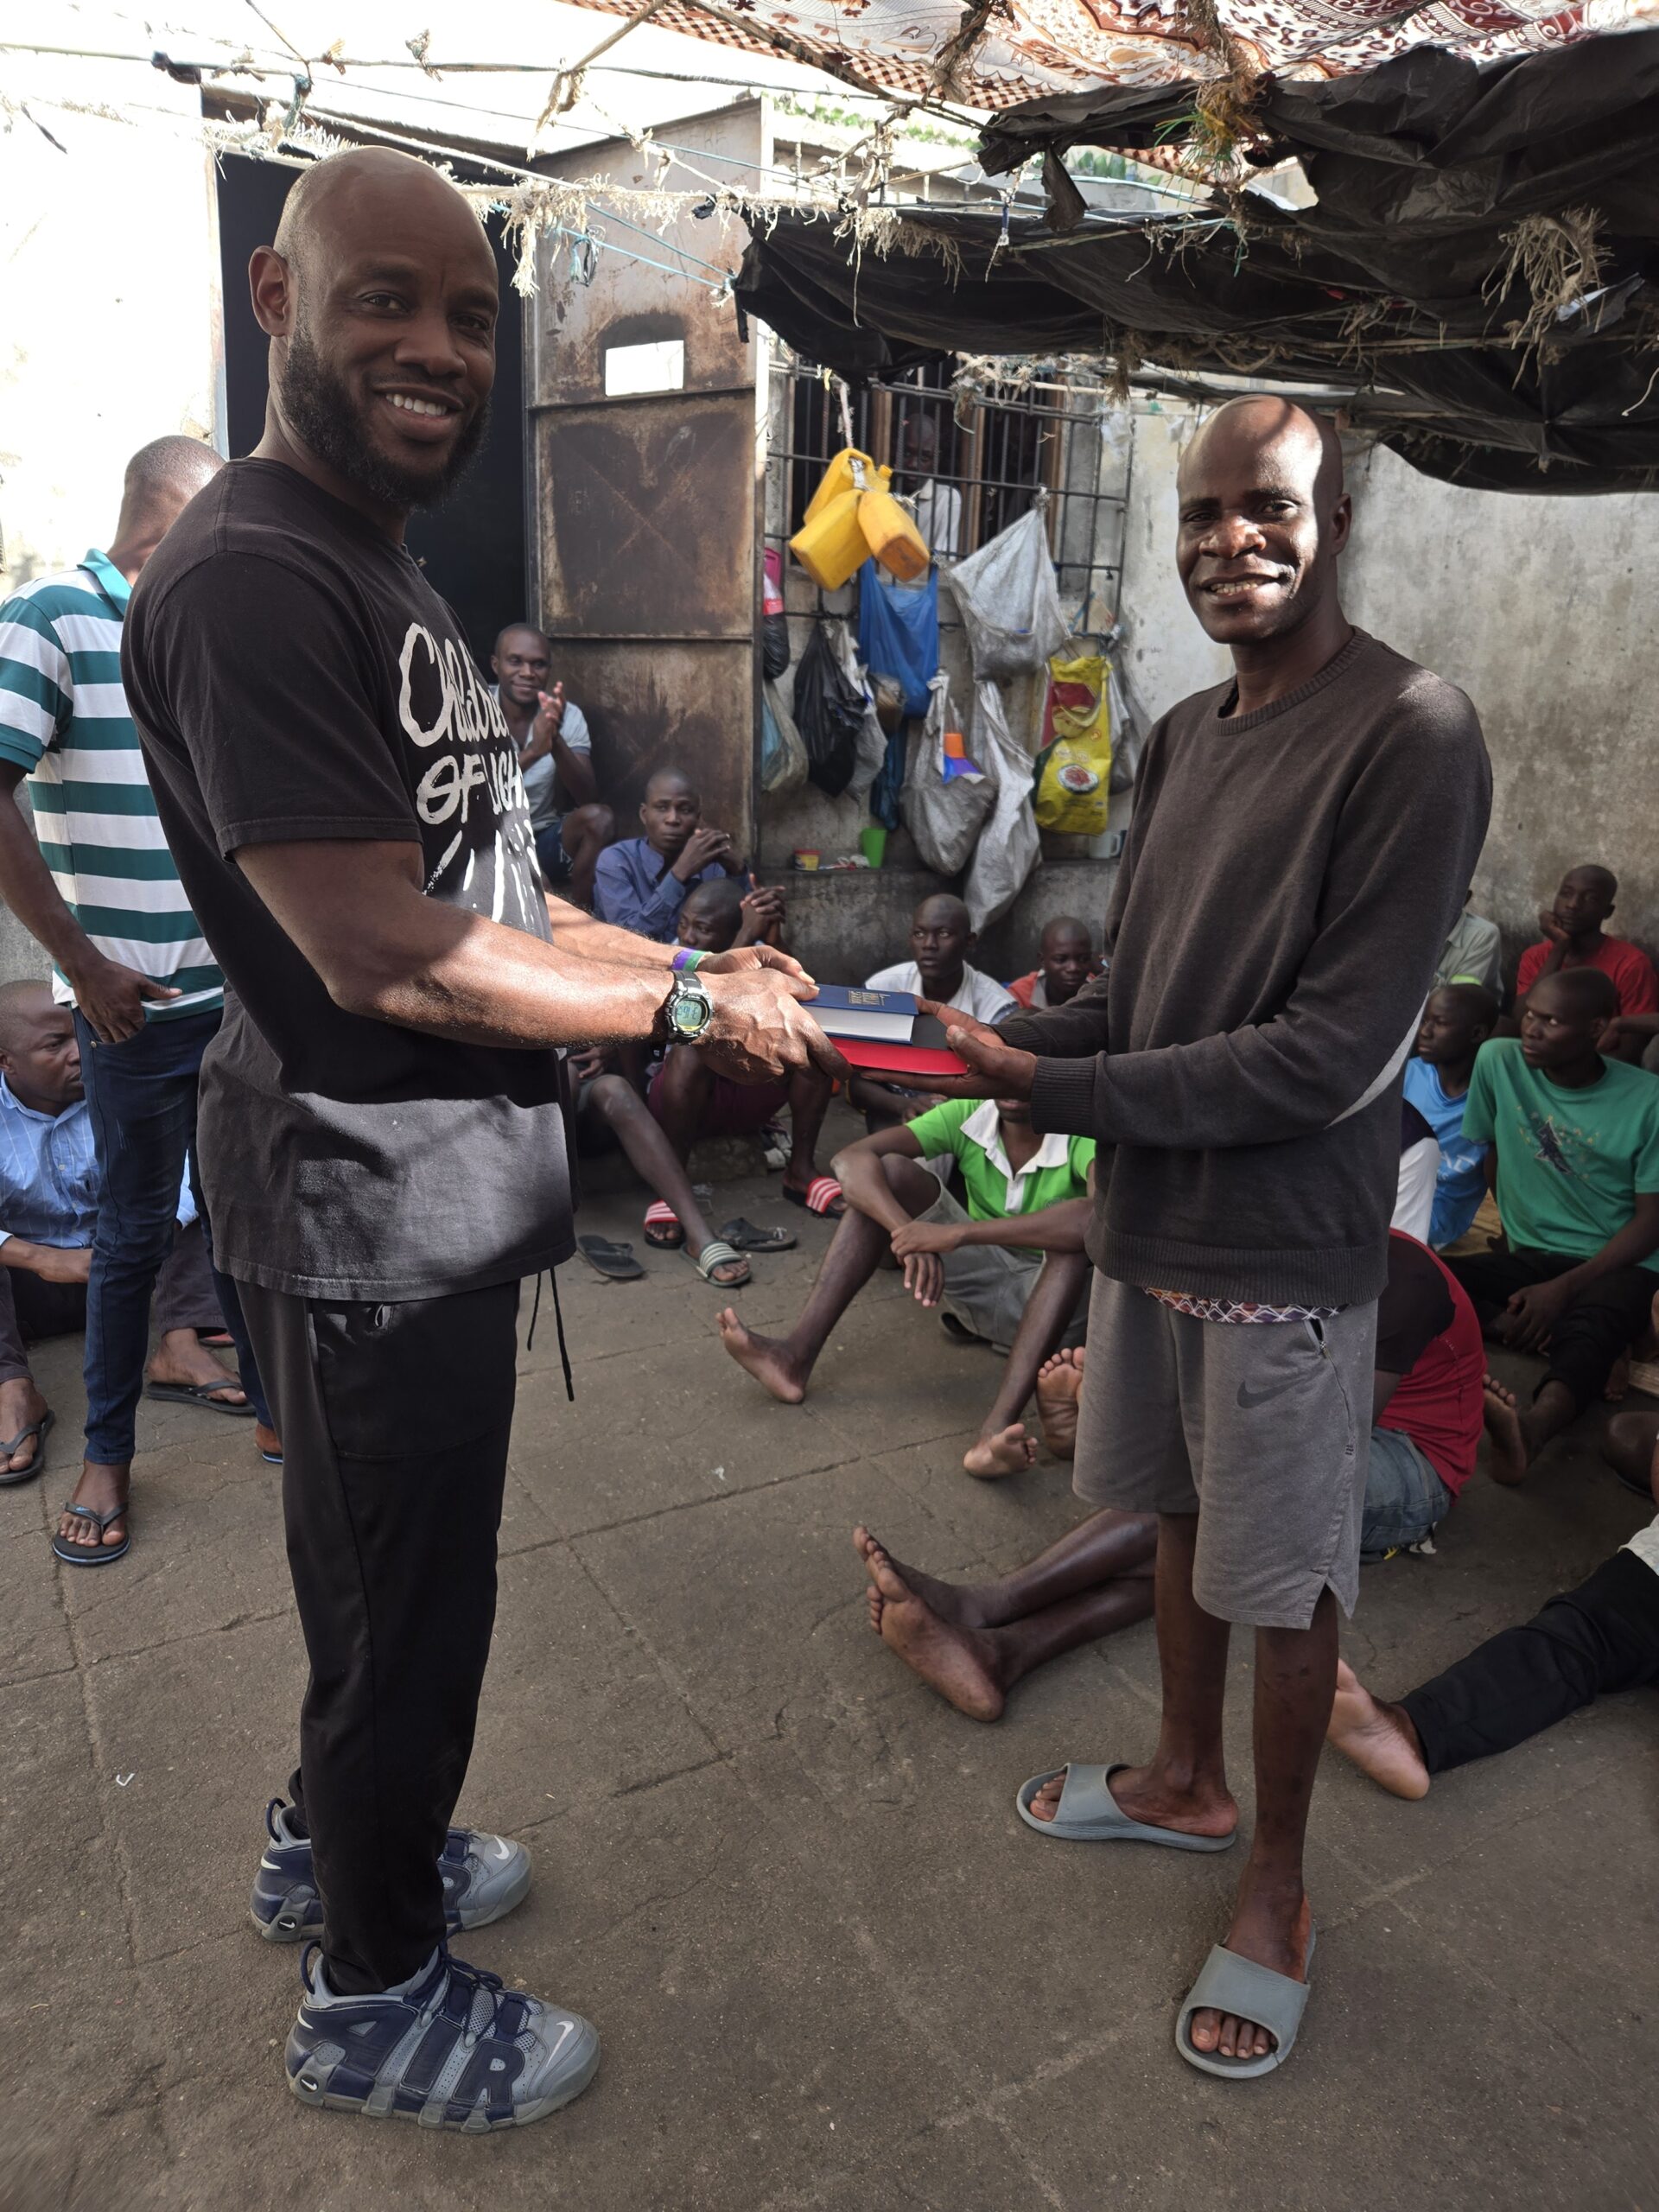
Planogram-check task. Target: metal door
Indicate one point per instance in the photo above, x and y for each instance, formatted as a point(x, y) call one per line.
point(644, 506)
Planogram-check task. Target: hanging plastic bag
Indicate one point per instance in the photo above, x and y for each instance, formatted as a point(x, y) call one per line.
point(1074, 769)
point(783, 757)
point(872, 748)
point(1008, 844)
point(774, 622)
point(946, 794)
point(1010, 607)
point(829, 709)
point(899, 632)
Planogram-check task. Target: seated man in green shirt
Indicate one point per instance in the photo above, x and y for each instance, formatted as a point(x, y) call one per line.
point(1575, 1165)
point(1010, 1269)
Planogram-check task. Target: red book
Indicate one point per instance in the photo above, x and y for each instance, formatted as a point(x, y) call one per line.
point(912, 1045)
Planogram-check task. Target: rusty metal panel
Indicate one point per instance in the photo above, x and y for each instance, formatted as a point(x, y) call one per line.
point(629, 303)
point(646, 517)
point(654, 705)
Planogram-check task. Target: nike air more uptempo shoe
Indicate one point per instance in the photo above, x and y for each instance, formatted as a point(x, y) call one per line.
point(452, 2049)
point(484, 1876)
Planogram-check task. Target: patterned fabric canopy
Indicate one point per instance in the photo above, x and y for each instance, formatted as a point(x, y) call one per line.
point(991, 54)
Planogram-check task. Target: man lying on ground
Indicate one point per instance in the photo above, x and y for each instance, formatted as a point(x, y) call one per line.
point(1456, 1021)
point(942, 936)
point(1589, 1642)
point(1066, 961)
point(49, 1192)
point(555, 758)
point(1010, 1269)
point(1575, 1167)
point(972, 1642)
point(1574, 937)
point(641, 884)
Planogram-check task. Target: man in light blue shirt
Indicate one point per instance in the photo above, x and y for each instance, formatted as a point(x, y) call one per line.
point(49, 1191)
point(1456, 1021)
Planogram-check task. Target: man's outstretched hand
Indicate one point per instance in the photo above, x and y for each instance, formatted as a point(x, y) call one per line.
point(994, 1070)
point(753, 956)
point(762, 1031)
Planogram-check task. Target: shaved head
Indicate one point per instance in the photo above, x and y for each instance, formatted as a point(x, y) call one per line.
point(1264, 518)
point(943, 912)
point(379, 297)
point(1262, 419)
point(161, 481)
point(22, 1005)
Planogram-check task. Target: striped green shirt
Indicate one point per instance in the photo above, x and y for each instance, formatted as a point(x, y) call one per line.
point(64, 718)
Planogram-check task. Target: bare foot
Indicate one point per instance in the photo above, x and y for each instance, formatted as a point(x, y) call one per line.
point(957, 1605)
point(1137, 1792)
point(1509, 1453)
point(21, 1404)
point(1618, 1380)
point(1059, 1381)
point(183, 1362)
point(1271, 1927)
point(1005, 1452)
point(1379, 1738)
point(958, 1662)
point(266, 1441)
point(764, 1358)
point(102, 1487)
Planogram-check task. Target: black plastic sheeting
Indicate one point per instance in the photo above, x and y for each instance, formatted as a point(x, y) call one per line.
point(1427, 173)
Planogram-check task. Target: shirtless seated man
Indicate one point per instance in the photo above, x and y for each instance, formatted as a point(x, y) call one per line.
point(1009, 1268)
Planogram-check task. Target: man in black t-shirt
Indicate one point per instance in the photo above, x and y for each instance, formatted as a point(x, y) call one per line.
point(381, 1134)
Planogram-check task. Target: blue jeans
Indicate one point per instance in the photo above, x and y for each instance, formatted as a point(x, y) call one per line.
point(1404, 1496)
point(142, 1093)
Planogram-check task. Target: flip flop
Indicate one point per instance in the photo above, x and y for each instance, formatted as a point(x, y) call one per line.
point(822, 1196)
point(615, 1263)
point(201, 1394)
point(718, 1254)
point(661, 1214)
point(1088, 1813)
point(1227, 1983)
point(42, 1428)
point(99, 1554)
point(745, 1237)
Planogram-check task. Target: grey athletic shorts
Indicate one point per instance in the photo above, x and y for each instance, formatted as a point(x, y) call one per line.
point(1261, 1429)
point(987, 1286)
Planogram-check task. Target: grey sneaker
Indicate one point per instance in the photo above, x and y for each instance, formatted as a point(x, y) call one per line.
point(453, 2050)
point(484, 1876)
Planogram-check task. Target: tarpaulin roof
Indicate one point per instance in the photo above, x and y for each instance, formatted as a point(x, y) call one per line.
point(991, 53)
point(1479, 268)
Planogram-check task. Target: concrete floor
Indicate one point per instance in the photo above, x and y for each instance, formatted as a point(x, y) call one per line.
point(831, 1968)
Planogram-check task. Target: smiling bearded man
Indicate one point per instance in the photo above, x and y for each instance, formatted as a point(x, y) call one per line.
point(1302, 840)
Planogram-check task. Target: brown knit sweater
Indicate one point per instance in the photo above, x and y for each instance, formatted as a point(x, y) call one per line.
point(1289, 879)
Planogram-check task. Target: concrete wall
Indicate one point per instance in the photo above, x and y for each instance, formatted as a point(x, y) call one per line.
point(1533, 605)
point(108, 243)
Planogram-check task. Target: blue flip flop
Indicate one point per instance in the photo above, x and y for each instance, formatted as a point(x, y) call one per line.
point(1088, 1813)
point(99, 1554)
point(1227, 1983)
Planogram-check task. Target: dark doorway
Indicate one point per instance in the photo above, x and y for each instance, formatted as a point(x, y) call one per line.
point(473, 547)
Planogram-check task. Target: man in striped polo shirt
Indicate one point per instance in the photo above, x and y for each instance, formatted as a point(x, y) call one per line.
point(100, 893)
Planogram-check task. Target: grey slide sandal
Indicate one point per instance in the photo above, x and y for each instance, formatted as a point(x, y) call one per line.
point(1088, 1813)
point(1227, 1983)
point(41, 1428)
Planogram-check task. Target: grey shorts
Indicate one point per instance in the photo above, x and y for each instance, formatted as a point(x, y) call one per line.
point(1262, 1429)
point(987, 1286)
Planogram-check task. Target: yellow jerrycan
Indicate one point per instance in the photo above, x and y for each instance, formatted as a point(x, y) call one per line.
point(830, 546)
point(890, 533)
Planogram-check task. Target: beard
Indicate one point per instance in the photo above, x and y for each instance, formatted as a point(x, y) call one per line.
point(321, 409)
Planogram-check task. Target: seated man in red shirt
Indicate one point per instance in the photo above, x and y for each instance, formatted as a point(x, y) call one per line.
point(972, 1642)
point(1065, 962)
point(1572, 938)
